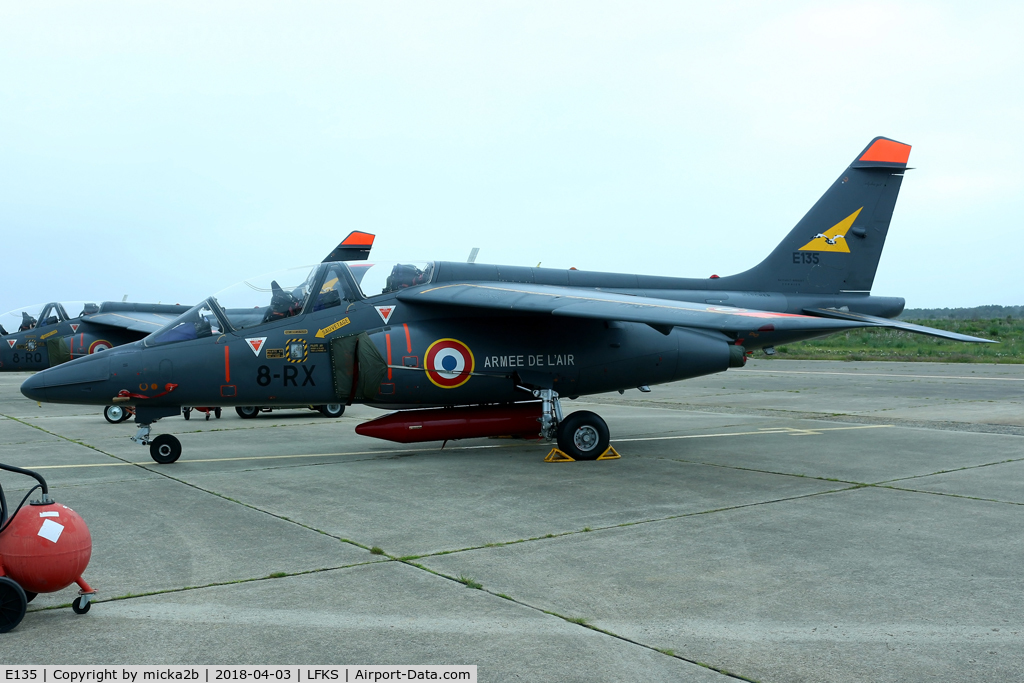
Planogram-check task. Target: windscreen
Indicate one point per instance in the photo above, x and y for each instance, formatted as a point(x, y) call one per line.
point(392, 276)
point(198, 322)
point(41, 315)
point(267, 297)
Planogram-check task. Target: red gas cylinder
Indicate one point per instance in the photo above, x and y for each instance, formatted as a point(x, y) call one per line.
point(45, 548)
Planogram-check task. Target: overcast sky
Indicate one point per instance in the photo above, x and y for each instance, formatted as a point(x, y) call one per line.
point(168, 150)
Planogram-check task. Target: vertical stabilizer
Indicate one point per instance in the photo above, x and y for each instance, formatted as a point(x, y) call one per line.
point(836, 246)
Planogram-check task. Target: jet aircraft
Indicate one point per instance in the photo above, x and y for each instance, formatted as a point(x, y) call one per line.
point(469, 349)
point(44, 335)
point(52, 336)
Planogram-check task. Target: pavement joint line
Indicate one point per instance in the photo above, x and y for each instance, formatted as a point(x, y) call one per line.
point(408, 559)
point(760, 471)
point(577, 621)
point(957, 469)
point(216, 584)
point(944, 493)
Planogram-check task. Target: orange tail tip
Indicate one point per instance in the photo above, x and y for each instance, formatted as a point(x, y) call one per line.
point(886, 151)
point(358, 239)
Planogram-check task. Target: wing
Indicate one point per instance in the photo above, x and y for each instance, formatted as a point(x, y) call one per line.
point(142, 318)
point(662, 314)
point(894, 324)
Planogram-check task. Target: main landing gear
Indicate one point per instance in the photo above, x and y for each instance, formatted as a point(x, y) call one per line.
point(582, 435)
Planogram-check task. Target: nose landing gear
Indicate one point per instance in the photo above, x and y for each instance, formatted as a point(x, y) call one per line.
point(164, 448)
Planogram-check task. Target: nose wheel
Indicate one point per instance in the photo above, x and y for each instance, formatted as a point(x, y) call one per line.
point(165, 449)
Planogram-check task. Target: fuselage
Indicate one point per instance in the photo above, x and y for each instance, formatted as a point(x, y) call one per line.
point(423, 355)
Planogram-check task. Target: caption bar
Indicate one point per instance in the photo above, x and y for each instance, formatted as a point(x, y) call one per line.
point(249, 674)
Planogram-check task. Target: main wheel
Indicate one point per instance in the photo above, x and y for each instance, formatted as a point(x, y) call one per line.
point(165, 449)
point(216, 412)
point(114, 414)
point(12, 604)
point(332, 410)
point(78, 606)
point(583, 435)
point(186, 412)
point(247, 412)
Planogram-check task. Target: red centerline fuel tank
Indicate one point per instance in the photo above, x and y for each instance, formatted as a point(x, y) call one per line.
point(467, 422)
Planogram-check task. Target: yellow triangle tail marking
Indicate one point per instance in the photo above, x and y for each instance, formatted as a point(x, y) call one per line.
point(833, 239)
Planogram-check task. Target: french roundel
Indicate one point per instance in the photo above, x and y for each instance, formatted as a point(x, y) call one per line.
point(99, 345)
point(449, 363)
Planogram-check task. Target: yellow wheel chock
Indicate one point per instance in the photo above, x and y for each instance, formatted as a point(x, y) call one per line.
point(559, 456)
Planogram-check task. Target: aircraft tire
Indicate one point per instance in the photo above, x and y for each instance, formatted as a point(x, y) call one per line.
point(332, 409)
point(12, 604)
point(115, 414)
point(583, 435)
point(216, 412)
point(165, 449)
point(248, 412)
point(186, 412)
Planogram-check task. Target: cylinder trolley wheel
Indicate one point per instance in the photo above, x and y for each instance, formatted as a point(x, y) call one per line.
point(80, 606)
point(12, 604)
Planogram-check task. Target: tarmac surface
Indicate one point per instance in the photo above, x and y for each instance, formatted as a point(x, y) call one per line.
point(789, 521)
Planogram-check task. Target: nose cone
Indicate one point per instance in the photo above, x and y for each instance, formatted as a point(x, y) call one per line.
point(33, 387)
point(79, 381)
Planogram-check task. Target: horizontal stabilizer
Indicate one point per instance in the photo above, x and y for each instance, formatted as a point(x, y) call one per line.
point(894, 324)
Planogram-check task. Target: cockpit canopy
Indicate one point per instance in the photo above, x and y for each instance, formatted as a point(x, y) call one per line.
point(291, 292)
point(41, 315)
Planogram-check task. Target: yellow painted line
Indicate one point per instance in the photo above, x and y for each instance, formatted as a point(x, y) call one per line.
point(882, 374)
point(246, 457)
point(767, 430)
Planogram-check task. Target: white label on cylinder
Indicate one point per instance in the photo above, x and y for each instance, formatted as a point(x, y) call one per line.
point(51, 531)
point(51, 513)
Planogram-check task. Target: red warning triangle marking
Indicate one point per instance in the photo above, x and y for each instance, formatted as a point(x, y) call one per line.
point(12, 342)
point(385, 312)
point(74, 328)
point(255, 343)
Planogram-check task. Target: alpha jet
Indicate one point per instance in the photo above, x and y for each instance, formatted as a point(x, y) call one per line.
point(52, 336)
point(44, 335)
point(468, 349)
